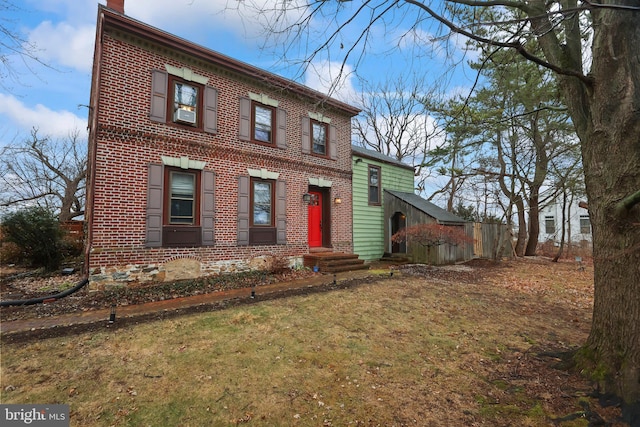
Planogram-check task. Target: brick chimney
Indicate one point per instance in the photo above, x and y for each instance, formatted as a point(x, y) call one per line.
point(117, 5)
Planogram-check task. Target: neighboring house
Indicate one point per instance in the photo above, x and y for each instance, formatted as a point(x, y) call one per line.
point(403, 209)
point(373, 173)
point(577, 225)
point(200, 164)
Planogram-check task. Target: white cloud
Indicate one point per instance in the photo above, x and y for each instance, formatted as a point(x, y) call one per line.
point(333, 79)
point(65, 44)
point(48, 122)
point(188, 18)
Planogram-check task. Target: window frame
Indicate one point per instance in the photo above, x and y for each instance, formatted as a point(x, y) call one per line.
point(171, 92)
point(549, 219)
point(369, 186)
point(274, 111)
point(325, 126)
point(587, 226)
point(272, 185)
point(262, 234)
point(166, 216)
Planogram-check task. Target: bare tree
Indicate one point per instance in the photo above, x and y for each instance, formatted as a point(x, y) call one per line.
point(45, 172)
point(600, 84)
point(394, 120)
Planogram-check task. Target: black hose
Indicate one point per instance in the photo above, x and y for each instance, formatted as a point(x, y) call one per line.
point(49, 298)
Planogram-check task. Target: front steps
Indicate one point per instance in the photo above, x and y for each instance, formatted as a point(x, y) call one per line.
point(333, 262)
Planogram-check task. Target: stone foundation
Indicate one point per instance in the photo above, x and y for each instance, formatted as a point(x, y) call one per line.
point(175, 270)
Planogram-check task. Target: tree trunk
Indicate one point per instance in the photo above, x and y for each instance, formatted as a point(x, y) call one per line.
point(564, 219)
point(522, 228)
point(534, 223)
point(606, 114)
point(607, 117)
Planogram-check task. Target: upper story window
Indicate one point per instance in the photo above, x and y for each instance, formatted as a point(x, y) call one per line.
point(185, 101)
point(263, 123)
point(319, 135)
point(374, 185)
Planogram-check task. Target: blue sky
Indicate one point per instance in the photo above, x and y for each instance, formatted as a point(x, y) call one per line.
point(53, 98)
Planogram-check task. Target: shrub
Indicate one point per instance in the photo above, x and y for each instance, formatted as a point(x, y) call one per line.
point(37, 233)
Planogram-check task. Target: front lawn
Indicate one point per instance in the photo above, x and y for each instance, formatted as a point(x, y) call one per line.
point(475, 345)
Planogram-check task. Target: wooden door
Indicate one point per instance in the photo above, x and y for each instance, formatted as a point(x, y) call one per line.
point(315, 220)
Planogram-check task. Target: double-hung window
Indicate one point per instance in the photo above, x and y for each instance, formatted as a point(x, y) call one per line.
point(585, 224)
point(184, 99)
point(262, 212)
point(186, 102)
point(262, 203)
point(319, 133)
point(263, 123)
point(374, 185)
point(549, 225)
point(182, 208)
point(182, 198)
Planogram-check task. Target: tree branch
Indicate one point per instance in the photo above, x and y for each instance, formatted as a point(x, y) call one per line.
point(517, 46)
point(627, 203)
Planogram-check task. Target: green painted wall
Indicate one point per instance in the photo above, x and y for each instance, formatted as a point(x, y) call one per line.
point(368, 221)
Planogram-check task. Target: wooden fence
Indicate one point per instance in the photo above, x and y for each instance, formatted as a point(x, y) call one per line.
point(491, 241)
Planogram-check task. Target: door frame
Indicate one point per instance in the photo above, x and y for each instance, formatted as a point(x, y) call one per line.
point(326, 214)
point(397, 222)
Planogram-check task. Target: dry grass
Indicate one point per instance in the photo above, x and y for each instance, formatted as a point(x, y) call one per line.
point(442, 349)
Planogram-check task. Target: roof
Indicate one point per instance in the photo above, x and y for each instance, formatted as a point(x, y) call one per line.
point(375, 155)
point(441, 215)
point(112, 19)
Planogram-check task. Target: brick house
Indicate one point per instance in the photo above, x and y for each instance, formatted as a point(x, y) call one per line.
point(201, 164)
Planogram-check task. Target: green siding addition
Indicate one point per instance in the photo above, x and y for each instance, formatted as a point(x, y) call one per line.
point(369, 221)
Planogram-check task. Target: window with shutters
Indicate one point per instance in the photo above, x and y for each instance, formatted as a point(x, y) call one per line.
point(262, 123)
point(185, 103)
point(262, 220)
point(319, 138)
point(181, 213)
point(262, 211)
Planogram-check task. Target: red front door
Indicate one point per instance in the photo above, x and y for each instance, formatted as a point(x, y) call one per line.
point(315, 219)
